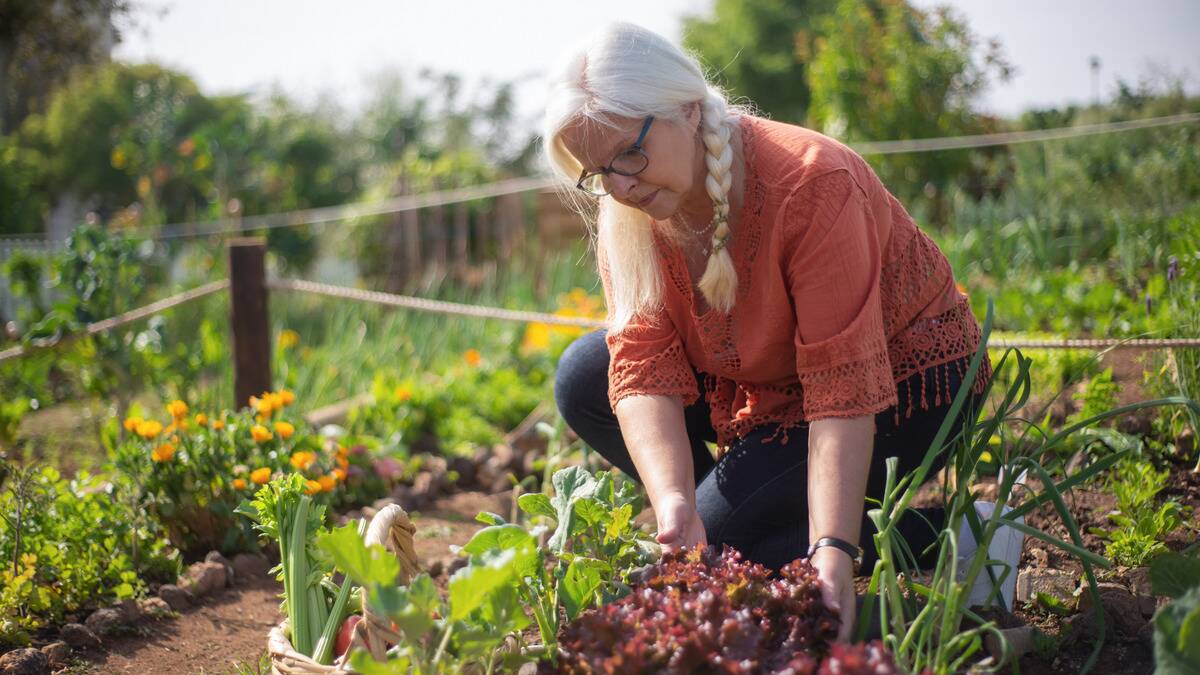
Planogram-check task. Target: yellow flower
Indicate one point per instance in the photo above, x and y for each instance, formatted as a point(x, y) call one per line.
point(312, 487)
point(288, 338)
point(149, 428)
point(339, 474)
point(327, 483)
point(284, 429)
point(260, 476)
point(131, 423)
point(302, 460)
point(261, 404)
point(218, 424)
point(537, 337)
point(985, 457)
point(177, 408)
point(163, 452)
point(201, 419)
point(117, 158)
point(260, 433)
point(278, 400)
point(402, 394)
point(239, 484)
point(472, 357)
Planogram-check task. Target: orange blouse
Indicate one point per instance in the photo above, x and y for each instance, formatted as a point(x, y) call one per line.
point(840, 299)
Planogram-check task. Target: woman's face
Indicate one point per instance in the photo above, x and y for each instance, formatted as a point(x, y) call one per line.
point(672, 147)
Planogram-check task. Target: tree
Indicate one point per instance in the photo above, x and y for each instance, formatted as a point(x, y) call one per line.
point(761, 50)
point(41, 42)
point(885, 70)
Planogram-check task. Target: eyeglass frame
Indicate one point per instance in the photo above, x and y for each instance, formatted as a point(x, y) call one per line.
point(637, 146)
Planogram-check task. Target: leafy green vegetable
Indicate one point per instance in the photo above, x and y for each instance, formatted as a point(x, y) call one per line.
point(1177, 635)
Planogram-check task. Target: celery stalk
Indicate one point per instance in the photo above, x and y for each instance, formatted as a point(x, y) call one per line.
point(324, 649)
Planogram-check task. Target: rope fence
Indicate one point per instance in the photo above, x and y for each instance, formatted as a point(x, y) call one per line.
point(122, 319)
point(400, 204)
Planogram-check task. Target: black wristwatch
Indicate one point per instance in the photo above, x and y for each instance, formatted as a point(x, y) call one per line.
point(855, 552)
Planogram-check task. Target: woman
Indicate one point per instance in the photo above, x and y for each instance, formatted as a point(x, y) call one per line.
point(766, 267)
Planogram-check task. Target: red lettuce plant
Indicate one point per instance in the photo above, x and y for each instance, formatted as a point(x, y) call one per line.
point(706, 610)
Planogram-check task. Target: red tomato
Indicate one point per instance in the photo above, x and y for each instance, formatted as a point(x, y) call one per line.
point(343, 638)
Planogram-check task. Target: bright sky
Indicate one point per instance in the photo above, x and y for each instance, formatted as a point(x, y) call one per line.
point(310, 47)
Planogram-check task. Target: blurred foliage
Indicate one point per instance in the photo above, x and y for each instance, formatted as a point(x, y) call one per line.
point(42, 42)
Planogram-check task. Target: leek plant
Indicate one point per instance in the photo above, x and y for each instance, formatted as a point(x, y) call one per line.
point(923, 623)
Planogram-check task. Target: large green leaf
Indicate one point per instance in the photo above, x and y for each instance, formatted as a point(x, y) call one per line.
point(480, 580)
point(1173, 574)
point(507, 537)
point(367, 565)
point(537, 504)
point(1177, 636)
point(411, 608)
point(577, 589)
point(570, 485)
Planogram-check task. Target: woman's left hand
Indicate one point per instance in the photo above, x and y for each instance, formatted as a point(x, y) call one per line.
point(835, 573)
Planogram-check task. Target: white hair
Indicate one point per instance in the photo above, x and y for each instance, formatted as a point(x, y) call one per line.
point(626, 71)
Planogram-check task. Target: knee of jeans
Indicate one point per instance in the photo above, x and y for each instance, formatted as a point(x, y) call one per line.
point(581, 379)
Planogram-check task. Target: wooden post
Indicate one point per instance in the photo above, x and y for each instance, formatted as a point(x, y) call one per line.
point(248, 321)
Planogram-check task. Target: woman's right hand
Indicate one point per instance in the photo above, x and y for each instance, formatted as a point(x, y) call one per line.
point(679, 524)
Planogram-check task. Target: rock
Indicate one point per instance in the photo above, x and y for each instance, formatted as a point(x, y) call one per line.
point(1056, 583)
point(129, 609)
point(178, 599)
point(436, 568)
point(250, 565)
point(424, 487)
point(465, 468)
point(203, 578)
point(1019, 639)
point(104, 621)
point(528, 668)
point(1139, 580)
point(1121, 607)
point(381, 504)
point(25, 661)
point(78, 636)
point(455, 564)
point(1040, 557)
point(57, 654)
point(504, 456)
point(216, 557)
point(155, 608)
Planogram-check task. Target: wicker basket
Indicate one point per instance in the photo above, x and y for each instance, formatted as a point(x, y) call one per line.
point(392, 528)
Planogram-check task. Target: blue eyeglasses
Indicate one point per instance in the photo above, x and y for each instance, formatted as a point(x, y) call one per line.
point(630, 162)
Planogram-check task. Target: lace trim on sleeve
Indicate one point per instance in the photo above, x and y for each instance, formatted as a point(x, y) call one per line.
point(665, 373)
point(851, 389)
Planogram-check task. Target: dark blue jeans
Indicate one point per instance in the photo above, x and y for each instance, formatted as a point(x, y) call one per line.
point(755, 498)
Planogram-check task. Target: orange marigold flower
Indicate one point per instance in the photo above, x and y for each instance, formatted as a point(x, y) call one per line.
point(327, 483)
point(284, 429)
point(473, 357)
point(239, 484)
point(402, 394)
point(286, 397)
point(312, 487)
point(201, 419)
point(218, 424)
point(177, 408)
point(342, 461)
point(260, 476)
point(260, 433)
point(131, 423)
point(163, 452)
point(339, 474)
point(149, 428)
point(961, 289)
point(302, 460)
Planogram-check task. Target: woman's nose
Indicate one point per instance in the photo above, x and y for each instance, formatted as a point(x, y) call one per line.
point(621, 186)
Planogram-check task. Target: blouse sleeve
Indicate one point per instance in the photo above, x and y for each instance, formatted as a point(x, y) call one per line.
point(646, 357)
point(833, 263)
